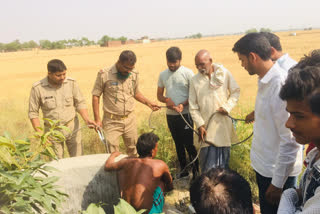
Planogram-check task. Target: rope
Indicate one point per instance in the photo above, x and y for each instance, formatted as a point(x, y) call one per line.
point(201, 141)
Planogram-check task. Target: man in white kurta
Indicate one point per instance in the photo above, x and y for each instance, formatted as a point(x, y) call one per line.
point(213, 93)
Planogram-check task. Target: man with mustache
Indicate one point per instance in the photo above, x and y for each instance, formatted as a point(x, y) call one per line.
point(59, 98)
point(119, 86)
point(301, 91)
point(175, 81)
point(275, 156)
point(212, 95)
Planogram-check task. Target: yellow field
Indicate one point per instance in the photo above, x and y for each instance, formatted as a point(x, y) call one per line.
point(20, 69)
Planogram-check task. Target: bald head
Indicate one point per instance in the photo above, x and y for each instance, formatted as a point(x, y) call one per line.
point(203, 61)
point(203, 53)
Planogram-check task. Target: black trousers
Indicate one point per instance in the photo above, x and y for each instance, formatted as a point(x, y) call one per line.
point(182, 135)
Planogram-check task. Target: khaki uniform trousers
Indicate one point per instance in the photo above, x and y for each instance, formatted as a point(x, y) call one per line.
point(73, 140)
point(125, 127)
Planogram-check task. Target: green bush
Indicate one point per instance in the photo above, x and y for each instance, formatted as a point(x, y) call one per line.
point(25, 186)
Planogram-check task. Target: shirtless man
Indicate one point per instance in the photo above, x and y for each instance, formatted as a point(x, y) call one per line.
point(142, 180)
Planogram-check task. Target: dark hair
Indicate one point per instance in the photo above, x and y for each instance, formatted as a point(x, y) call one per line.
point(315, 102)
point(221, 191)
point(253, 42)
point(303, 81)
point(146, 142)
point(128, 56)
point(173, 54)
point(56, 65)
point(273, 39)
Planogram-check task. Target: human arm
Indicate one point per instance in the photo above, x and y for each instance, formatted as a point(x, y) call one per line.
point(139, 97)
point(35, 124)
point(169, 103)
point(166, 178)
point(96, 93)
point(289, 202)
point(112, 165)
point(202, 132)
point(84, 114)
point(34, 106)
point(96, 112)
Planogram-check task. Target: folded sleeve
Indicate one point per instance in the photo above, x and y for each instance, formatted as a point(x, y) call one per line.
point(34, 104)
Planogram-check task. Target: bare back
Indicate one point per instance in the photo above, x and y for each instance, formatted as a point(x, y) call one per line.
point(138, 179)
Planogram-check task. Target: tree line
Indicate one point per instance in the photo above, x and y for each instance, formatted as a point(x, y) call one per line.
point(16, 45)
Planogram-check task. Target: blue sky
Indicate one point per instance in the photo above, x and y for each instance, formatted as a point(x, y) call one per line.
point(66, 19)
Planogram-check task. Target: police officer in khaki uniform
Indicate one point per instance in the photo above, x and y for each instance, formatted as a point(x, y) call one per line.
point(59, 97)
point(119, 86)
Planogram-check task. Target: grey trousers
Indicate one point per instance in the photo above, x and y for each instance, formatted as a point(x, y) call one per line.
point(212, 157)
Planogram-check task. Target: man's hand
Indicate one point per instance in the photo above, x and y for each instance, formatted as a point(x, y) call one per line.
point(273, 194)
point(99, 125)
point(91, 124)
point(250, 117)
point(202, 132)
point(178, 108)
point(170, 104)
point(153, 106)
point(221, 110)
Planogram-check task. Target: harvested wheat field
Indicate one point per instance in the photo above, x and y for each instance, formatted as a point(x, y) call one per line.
point(19, 70)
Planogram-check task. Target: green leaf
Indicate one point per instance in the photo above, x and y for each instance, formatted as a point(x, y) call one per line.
point(124, 207)
point(7, 142)
point(22, 178)
point(23, 142)
point(94, 209)
point(51, 152)
point(8, 176)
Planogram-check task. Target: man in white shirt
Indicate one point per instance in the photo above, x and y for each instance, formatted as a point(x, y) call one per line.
point(213, 93)
point(175, 81)
point(275, 156)
point(277, 56)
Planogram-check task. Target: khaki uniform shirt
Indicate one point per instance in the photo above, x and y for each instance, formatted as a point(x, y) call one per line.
point(118, 95)
point(206, 97)
point(56, 103)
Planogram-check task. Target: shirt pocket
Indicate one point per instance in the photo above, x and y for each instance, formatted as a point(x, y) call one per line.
point(112, 87)
point(49, 104)
point(68, 101)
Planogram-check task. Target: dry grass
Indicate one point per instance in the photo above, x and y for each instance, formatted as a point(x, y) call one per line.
point(20, 69)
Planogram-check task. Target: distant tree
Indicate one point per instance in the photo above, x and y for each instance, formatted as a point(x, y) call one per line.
point(30, 44)
point(58, 45)
point(103, 40)
point(13, 46)
point(194, 36)
point(122, 39)
point(45, 44)
point(265, 30)
point(2, 46)
point(252, 30)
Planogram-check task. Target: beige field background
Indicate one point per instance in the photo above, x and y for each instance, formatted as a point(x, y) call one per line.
point(19, 70)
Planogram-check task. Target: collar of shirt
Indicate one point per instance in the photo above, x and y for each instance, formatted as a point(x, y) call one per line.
point(274, 71)
point(283, 58)
point(45, 82)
